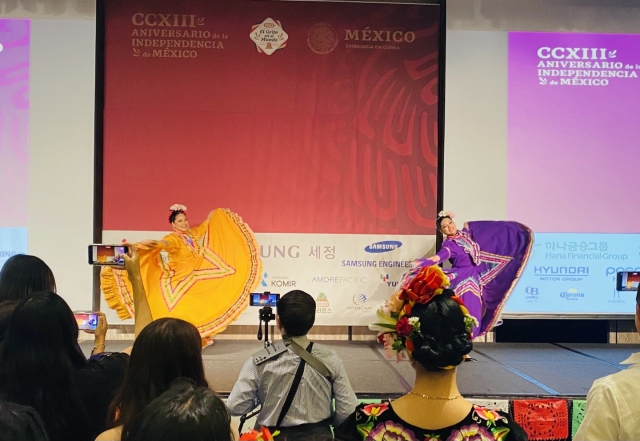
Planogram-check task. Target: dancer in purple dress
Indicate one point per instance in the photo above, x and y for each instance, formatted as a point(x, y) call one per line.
point(487, 258)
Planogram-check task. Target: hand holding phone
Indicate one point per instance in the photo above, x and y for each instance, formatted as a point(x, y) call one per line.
point(87, 321)
point(627, 281)
point(109, 255)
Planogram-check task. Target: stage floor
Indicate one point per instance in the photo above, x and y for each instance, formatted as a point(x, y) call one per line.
point(503, 370)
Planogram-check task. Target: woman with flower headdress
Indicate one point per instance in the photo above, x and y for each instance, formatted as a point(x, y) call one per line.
point(487, 258)
point(428, 324)
point(203, 275)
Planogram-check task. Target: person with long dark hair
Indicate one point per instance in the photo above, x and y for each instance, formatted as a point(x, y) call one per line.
point(431, 326)
point(42, 365)
point(202, 274)
point(165, 350)
point(487, 258)
point(21, 276)
point(20, 423)
point(185, 411)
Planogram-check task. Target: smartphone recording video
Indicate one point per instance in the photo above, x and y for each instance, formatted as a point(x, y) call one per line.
point(87, 321)
point(107, 254)
point(628, 281)
point(264, 299)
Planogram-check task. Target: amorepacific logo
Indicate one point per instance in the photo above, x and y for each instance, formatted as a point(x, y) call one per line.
point(383, 247)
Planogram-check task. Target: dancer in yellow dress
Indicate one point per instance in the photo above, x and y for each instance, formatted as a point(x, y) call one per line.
point(203, 274)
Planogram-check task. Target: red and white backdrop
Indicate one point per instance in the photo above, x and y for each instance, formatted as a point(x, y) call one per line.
point(316, 122)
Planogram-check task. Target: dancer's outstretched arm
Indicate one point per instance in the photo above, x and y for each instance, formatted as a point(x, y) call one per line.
point(201, 229)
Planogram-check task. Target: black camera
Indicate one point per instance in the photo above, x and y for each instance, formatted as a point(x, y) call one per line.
point(265, 315)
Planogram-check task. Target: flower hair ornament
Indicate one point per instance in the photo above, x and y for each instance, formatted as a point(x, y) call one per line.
point(396, 328)
point(444, 214)
point(176, 207)
point(262, 435)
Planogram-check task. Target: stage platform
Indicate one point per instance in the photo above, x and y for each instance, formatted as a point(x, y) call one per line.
point(502, 370)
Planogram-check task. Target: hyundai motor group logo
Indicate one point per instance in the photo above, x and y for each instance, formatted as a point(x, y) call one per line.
point(383, 247)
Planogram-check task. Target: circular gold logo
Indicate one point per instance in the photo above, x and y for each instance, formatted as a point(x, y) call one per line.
point(322, 38)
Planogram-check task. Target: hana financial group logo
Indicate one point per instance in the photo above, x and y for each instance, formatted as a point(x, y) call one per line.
point(383, 247)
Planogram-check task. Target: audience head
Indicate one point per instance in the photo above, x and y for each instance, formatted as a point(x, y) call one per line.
point(445, 338)
point(184, 411)
point(39, 355)
point(20, 423)
point(165, 350)
point(23, 275)
point(296, 312)
point(430, 322)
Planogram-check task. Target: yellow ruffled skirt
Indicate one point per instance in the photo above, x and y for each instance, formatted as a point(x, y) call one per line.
point(210, 288)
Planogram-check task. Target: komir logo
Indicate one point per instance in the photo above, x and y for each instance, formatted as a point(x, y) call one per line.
point(278, 282)
point(383, 247)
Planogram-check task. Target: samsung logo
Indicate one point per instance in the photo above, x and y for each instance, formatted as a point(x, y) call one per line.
point(383, 247)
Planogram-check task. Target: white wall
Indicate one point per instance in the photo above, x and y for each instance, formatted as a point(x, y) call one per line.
point(60, 206)
point(475, 174)
point(62, 112)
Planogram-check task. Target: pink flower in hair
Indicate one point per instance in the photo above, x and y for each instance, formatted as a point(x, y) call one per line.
point(178, 207)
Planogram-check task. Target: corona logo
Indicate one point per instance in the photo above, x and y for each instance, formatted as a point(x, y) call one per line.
point(367, 34)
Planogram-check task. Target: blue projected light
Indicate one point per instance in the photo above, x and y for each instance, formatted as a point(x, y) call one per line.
point(12, 241)
point(576, 273)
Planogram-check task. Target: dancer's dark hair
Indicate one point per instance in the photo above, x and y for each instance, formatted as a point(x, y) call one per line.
point(23, 275)
point(174, 214)
point(166, 349)
point(297, 312)
point(439, 221)
point(184, 411)
point(444, 340)
point(40, 355)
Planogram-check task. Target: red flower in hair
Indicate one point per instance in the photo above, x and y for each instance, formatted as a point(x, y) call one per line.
point(403, 327)
point(422, 288)
point(409, 345)
point(263, 435)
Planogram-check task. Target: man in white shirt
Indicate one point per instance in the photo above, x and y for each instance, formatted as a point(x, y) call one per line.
point(268, 383)
point(613, 403)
